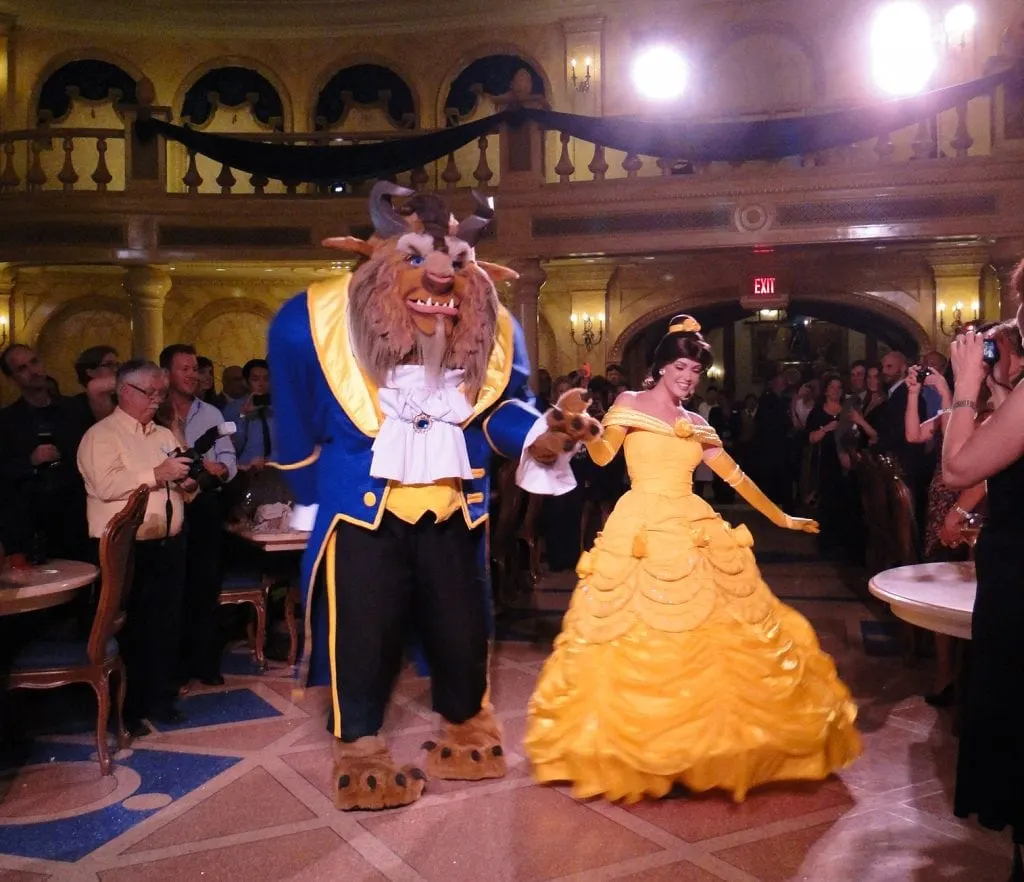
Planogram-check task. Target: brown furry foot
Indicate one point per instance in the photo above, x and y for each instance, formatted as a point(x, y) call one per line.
point(469, 751)
point(367, 779)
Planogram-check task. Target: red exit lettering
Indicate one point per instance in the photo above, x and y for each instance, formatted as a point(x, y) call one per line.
point(764, 285)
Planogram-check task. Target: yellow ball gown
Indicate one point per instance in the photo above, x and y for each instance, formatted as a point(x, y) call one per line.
point(676, 663)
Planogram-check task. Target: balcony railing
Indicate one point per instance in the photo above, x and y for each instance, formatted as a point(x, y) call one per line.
point(73, 160)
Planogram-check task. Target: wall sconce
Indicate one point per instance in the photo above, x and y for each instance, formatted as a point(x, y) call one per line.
point(715, 372)
point(580, 84)
point(958, 324)
point(588, 337)
point(3, 331)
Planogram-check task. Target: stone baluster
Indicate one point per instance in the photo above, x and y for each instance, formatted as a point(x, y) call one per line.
point(665, 165)
point(598, 165)
point(147, 288)
point(962, 140)
point(192, 180)
point(101, 176)
point(632, 164)
point(924, 145)
point(418, 177)
point(564, 169)
point(259, 184)
point(884, 148)
point(482, 173)
point(36, 177)
point(225, 180)
point(9, 179)
point(291, 187)
point(451, 174)
point(67, 175)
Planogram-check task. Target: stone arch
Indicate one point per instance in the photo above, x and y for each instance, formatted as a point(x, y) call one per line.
point(246, 307)
point(365, 58)
point(270, 75)
point(477, 53)
point(754, 31)
point(870, 304)
point(62, 333)
point(74, 55)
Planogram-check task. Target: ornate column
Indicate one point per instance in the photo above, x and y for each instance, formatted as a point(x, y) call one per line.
point(147, 288)
point(1008, 302)
point(8, 276)
point(526, 303)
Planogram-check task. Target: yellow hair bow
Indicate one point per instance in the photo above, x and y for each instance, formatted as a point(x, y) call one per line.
point(687, 326)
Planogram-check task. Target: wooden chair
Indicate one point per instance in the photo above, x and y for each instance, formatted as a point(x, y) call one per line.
point(49, 664)
point(254, 590)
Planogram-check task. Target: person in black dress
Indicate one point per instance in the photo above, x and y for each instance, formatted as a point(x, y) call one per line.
point(826, 471)
point(990, 763)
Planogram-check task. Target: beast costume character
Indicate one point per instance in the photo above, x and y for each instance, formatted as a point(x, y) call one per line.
point(392, 388)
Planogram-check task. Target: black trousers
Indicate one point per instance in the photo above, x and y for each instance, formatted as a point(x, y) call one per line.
point(200, 632)
point(380, 585)
point(150, 637)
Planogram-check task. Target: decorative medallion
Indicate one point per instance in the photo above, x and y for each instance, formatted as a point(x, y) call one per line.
point(751, 218)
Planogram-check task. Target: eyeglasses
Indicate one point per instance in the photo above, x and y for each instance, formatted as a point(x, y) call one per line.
point(152, 394)
point(109, 364)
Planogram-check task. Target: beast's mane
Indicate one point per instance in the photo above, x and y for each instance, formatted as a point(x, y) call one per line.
point(383, 334)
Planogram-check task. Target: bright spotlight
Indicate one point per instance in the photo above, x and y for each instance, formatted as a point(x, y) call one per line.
point(902, 49)
point(960, 21)
point(660, 73)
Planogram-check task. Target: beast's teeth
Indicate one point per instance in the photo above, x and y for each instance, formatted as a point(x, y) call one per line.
point(451, 303)
point(430, 301)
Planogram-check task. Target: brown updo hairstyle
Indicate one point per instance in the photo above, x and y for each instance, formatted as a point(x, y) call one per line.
point(683, 340)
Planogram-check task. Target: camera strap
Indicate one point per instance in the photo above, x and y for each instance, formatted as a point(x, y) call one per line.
point(265, 426)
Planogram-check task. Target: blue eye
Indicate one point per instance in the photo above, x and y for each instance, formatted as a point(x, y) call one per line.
point(416, 259)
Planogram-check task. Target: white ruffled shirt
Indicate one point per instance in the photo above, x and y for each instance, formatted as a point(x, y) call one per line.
point(421, 439)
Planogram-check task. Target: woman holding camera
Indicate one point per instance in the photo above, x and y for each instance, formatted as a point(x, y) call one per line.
point(990, 765)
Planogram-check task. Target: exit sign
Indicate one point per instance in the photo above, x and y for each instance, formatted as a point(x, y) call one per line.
point(764, 285)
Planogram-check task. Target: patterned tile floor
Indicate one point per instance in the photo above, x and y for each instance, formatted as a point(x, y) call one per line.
point(243, 790)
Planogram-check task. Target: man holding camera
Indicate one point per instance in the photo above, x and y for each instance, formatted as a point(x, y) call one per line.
point(253, 416)
point(117, 455)
point(189, 419)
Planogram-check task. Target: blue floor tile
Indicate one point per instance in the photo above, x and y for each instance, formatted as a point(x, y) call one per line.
point(211, 708)
point(70, 839)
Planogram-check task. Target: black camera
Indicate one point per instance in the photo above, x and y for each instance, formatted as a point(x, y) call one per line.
point(990, 352)
point(204, 443)
point(261, 400)
point(922, 375)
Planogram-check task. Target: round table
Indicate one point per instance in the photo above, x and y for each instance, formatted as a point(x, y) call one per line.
point(50, 584)
point(938, 597)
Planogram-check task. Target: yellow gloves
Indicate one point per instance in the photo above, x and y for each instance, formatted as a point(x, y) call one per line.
point(729, 471)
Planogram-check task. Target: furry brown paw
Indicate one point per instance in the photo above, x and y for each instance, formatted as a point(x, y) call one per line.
point(367, 779)
point(469, 751)
point(568, 424)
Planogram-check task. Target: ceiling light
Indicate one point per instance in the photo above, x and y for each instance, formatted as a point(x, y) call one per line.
point(960, 22)
point(660, 73)
point(903, 55)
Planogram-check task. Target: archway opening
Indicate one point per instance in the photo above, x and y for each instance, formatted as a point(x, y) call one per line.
point(813, 336)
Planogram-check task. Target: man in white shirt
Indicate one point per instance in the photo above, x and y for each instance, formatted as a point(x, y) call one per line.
point(116, 456)
point(190, 419)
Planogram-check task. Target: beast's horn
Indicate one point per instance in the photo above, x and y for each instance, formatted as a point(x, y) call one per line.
point(472, 227)
point(386, 221)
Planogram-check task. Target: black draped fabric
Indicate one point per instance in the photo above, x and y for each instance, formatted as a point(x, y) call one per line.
point(692, 141)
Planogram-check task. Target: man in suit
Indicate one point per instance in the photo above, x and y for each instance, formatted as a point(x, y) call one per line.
point(913, 459)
